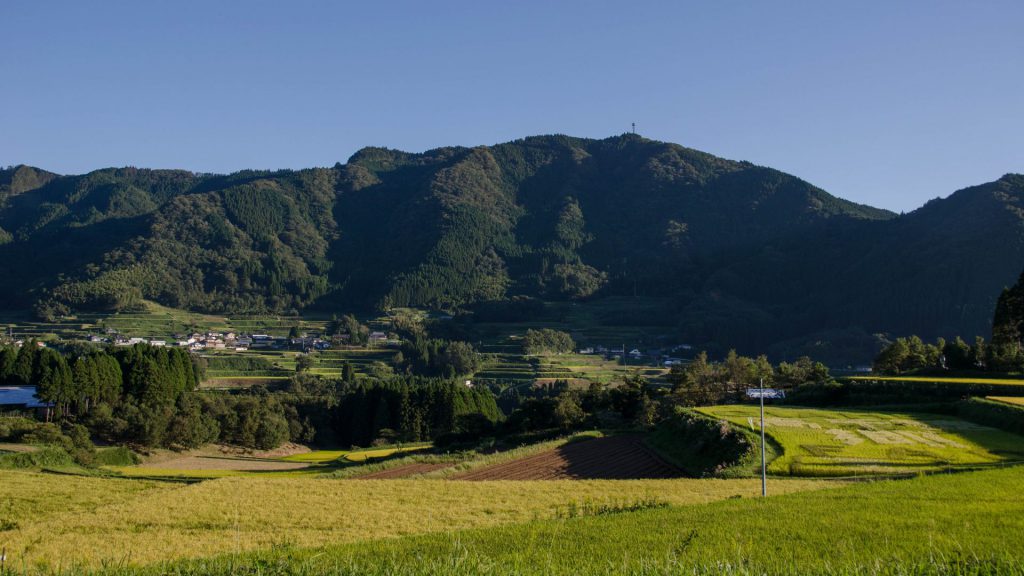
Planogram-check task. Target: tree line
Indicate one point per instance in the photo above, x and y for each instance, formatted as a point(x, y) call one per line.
point(148, 396)
point(704, 382)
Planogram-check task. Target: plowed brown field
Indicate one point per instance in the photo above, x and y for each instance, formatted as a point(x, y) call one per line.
point(611, 458)
point(403, 471)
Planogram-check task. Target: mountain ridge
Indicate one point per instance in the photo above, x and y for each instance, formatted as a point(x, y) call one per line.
point(747, 255)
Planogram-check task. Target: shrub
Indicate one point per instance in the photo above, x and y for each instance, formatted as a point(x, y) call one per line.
point(704, 446)
point(14, 428)
point(995, 414)
point(116, 456)
point(45, 458)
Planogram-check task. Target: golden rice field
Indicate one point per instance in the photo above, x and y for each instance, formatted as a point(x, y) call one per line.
point(853, 442)
point(31, 497)
point(1000, 381)
point(91, 521)
point(1015, 400)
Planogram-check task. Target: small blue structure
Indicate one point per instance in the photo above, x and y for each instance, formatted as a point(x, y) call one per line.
point(20, 398)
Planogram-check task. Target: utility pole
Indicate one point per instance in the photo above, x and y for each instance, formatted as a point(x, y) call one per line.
point(760, 393)
point(764, 467)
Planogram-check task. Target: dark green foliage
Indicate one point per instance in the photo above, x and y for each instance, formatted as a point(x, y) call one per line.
point(878, 392)
point(911, 355)
point(556, 407)
point(705, 383)
point(247, 420)
point(990, 413)
point(547, 340)
point(13, 428)
point(434, 357)
point(240, 362)
point(116, 456)
point(358, 334)
point(1008, 322)
point(60, 445)
point(515, 309)
point(304, 362)
point(416, 408)
point(45, 458)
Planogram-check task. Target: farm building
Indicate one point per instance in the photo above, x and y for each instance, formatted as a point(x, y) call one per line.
point(21, 399)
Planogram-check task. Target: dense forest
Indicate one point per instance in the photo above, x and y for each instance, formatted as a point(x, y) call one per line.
point(730, 248)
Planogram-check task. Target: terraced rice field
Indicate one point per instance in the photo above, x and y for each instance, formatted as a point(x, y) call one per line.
point(608, 458)
point(858, 442)
point(941, 380)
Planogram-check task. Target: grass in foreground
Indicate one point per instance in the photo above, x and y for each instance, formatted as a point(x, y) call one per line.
point(962, 524)
point(851, 442)
point(244, 514)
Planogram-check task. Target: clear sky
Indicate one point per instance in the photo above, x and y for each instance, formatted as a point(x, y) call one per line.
point(885, 102)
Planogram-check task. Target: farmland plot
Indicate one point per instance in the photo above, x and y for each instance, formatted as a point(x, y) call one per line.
point(852, 442)
point(615, 457)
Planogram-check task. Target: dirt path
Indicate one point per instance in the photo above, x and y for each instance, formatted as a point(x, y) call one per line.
point(611, 458)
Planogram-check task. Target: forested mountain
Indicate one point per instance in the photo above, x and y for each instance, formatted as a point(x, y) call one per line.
point(744, 255)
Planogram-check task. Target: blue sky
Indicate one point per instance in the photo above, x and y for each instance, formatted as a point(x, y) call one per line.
point(883, 102)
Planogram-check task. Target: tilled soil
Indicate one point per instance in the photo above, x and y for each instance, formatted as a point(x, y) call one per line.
point(611, 458)
point(403, 471)
point(213, 463)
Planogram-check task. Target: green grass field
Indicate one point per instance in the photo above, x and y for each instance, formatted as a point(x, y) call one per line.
point(967, 524)
point(856, 442)
point(946, 524)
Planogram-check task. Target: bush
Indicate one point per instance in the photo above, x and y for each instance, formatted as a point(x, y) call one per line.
point(995, 414)
point(116, 456)
point(47, 434)
point(45, 458)
point(547, 340)
point(239, 362)
point(704, 446)
point(14, 428)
